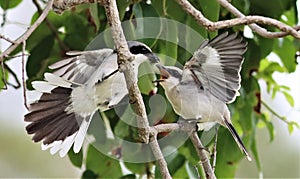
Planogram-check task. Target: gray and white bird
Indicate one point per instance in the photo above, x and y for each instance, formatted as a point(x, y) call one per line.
point(209, 80)
point(78, 87)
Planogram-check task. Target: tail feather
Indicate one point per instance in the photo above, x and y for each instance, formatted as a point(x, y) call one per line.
point(50, 119)
point(237, 138)
point(45, 113)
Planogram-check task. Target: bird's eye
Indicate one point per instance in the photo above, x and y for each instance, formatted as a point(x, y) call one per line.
point(139, 50)
point(144, 50)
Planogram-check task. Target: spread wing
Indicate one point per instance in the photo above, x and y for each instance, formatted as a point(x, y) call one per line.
point(216, 65)
point(82, 66)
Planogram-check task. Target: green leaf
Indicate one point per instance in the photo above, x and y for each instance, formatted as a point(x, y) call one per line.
point(289, 98)
point(93, 9)
point(255, 155)
point(241, 5)
point(43, 29)
point(129, 176)
point(174, 162)
point(122, 6)
point(286, 50)
point(137, 168)
point(267, 44)
point(269, 126)
point(146, 78)
point(290, 128)
point(228, 155)
point(78, 33)
point(252, 59)
point(9, 4)
point(210, 9)
point(102, 165)
point(88, 174)
point(144, 10)
point(191, 170)
point(38, 55)
point(290, 17)
point(1, 77)
point(76, 158)
point(274, 9)
point(181, 173)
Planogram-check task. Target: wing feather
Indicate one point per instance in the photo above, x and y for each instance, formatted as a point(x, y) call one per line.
point(80, 68)
point(217, 64)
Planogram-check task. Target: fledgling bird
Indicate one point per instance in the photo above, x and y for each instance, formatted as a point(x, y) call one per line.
point(78, 87)
point(209, 80)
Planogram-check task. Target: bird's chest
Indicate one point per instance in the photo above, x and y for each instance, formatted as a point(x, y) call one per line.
point(110, 92)
point(192, 103)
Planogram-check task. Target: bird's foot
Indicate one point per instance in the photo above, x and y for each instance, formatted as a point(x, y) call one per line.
point(189, 125)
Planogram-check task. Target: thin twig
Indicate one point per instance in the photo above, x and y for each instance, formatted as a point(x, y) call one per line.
point(26, 35)
point(212, 26)
point(256, 28)
point(202, 155)
point(23, 75)
point(283, 118)
point(7, 39)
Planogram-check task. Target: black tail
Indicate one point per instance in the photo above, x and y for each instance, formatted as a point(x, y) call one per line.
point(237, 139)
point(49, 118)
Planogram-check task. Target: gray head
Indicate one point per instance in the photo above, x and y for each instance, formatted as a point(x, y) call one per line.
point(169, 76)
point(137, 48)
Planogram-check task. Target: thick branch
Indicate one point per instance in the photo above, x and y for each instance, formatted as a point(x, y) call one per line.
point(212, 26)
point(202, 155)
point(124, 59)
point(26, 35)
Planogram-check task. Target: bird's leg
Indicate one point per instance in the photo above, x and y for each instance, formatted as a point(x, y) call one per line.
point(187, 125)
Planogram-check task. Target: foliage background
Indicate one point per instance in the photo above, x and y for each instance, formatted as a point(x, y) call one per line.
point(84, 19)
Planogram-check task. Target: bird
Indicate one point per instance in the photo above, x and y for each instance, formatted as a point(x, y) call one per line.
point(79, 86)
point(207, 83)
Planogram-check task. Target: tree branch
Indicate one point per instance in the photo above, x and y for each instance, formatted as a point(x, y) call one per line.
point(159, 155)
point(212, 26)
point(124, 59)
point(256, 28)
point(202, 155)
point(26, 35)
point(61, 5)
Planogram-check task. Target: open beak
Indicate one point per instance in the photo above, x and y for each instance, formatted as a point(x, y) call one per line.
point(164, 74)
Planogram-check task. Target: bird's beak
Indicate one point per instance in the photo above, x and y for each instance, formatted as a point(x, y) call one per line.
point(164, 74)
point(153, 58)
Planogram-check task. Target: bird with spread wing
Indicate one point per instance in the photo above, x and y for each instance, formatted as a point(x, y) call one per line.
point(208, 81)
